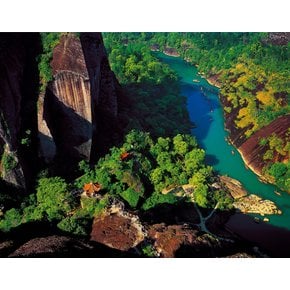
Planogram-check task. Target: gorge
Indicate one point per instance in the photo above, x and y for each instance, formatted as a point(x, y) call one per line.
point(96, 151)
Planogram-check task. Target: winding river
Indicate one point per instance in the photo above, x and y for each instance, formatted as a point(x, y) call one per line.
point(206, 112)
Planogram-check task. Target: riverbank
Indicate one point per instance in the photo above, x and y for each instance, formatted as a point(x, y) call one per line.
point(207, 114)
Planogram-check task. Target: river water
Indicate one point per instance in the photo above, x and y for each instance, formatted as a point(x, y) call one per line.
point(206, 112)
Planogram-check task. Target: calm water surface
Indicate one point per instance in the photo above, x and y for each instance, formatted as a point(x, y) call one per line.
point(206, 112)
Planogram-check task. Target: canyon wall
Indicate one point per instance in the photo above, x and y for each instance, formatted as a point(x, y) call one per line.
point(18, 96)
point(79, 108)
point(73, 118)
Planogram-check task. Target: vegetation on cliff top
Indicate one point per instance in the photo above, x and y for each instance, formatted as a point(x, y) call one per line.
point(253, 73)
point(49, 40)
point(138, 181)
point(151, 90)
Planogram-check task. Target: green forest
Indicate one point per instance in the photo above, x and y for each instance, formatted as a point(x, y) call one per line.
point(253, 74)
point(160, 152)
point(138, 181)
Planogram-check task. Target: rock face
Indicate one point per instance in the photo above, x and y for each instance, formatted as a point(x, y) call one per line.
point(63, 246)
point(234, 186)
point(252, 151)
point(255, 204)
point(118, 229)
point(79, 108)
point(75, 118)
point(278, 38)
point(168, 239)
point(18, 97)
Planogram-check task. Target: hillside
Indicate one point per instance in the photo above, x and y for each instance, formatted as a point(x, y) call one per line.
point(252, 71)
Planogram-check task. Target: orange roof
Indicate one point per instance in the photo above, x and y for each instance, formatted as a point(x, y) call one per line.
point(92, 187)
point(124, 155)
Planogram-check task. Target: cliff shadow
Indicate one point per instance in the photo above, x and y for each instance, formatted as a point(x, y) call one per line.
point(251, 236)
point(43, 239)
point(105, 93)
point(71, 133)
point(19, 82)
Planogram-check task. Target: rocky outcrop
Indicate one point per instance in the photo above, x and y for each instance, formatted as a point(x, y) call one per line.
point(248, 203)
point(79, 107)
point(18, 96)
point(168, 239)
point(278, 38)
point(171, 51)
point(255, 204)
point(118, 229)
point(63, 246)
point(252, 151)
point(234, 186)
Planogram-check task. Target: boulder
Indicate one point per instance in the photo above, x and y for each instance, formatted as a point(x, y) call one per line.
point(255, 204)
point(118, 229)
point(168, 239)
point(234, 186)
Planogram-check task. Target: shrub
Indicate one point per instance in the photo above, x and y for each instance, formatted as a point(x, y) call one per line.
point(53, 197)
point(8, 161)
point(12, 219)
point(75, 225)
point(49, 41)
point(157, 198)
point(131, 196)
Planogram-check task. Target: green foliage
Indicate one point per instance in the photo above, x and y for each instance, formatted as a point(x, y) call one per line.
point(131, 196)
point(12, 218)
point(53, 198)
point(281, 173)
point(201, 195)
point(157, 198)
point(75, 225)
point(263, 141)
point(49, 41)
point(26, 140)
point(151, 90)
point(149, 251)
point(152, 167)
point(8, 161)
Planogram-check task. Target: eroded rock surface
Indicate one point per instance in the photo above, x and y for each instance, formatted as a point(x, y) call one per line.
point(255, 204)
point(234, 186)
point(168, 239)
point(79, 108)
point(118, 229)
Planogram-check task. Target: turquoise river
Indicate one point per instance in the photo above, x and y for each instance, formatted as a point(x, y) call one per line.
point(206, 112)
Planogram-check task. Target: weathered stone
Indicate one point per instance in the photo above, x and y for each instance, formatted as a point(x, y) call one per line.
point(255, 204)
point(80, 102)
point(251, 150)
point(118, 229)
point(234, 186)
point(63, 246)
point(168, 239)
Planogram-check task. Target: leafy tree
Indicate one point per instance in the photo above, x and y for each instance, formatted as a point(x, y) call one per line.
point(12, 218)
point(53, 198)
point(201, 195)
point(131, 196)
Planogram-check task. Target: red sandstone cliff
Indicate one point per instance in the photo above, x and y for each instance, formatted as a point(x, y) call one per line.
point(78, 111)
point(253, 152)
point(75, 118)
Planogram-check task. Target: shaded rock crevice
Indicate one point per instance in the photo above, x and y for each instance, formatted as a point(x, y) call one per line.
point(19, 83)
